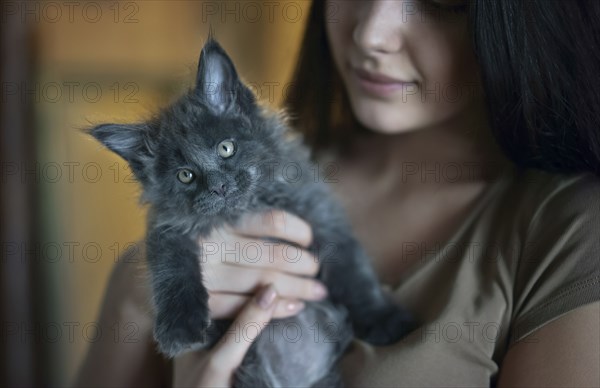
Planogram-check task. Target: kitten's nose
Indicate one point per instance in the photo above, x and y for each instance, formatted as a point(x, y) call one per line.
point(219, 189)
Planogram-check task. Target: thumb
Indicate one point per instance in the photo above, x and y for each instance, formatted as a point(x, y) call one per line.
point(229, 352)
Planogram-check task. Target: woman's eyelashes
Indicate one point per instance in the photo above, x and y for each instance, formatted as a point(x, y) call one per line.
point(452, 6)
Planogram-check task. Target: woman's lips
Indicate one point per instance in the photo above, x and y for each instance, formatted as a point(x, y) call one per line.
point(378, 84)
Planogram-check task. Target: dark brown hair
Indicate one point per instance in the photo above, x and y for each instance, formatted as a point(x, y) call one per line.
point(316, 99)
point(539, 61)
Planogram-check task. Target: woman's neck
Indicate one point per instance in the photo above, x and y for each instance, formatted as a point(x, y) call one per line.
point(462, 151)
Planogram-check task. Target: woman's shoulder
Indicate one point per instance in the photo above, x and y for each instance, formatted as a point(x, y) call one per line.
point(558, 227)
point(546, 205)
point(529, 200)
point(569, 191)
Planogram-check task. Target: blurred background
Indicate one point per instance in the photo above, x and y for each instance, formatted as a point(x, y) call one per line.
point(69, 207)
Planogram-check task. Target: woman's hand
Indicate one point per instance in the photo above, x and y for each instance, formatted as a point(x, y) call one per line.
point(215, 367)
point(236, 261)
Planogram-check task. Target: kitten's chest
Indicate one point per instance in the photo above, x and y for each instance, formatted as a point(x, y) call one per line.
point(304, 347)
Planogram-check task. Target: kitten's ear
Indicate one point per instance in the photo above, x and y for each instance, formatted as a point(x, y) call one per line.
point(129, 141)
point(218, 83)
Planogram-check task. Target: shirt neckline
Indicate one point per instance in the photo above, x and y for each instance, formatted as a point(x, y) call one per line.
point(484, 199)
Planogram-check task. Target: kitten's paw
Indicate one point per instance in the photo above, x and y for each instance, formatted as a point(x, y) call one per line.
point(386, 326)
point(177, 336)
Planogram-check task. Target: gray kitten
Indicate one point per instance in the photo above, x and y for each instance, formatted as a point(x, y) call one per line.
point(210, 157)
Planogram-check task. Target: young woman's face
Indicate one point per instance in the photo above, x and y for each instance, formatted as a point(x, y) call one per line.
point(406, 64)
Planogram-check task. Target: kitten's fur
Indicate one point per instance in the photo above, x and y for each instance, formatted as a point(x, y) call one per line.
point(185, 135)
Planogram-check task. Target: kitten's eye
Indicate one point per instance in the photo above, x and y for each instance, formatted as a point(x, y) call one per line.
point(226, 148)
point(185, 176)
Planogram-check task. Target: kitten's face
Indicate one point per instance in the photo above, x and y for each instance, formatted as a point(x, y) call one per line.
point(204, 155)
point(207, 164)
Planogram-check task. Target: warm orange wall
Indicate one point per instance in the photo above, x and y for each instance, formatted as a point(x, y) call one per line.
point(154, 57)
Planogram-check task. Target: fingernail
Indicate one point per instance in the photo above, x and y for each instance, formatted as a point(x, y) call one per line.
point(295, 306)
point(266, 297)
point(320, 290)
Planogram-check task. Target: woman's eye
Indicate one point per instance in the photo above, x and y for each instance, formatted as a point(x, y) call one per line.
point(226, 148)
point(185, 176)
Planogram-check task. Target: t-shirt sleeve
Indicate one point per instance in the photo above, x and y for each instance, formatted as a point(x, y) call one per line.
point(559, 266)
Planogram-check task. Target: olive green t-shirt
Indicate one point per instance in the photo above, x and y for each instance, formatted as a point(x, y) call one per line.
point(527, 253)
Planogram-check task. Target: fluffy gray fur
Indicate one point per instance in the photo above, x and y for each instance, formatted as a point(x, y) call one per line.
point(184, 137)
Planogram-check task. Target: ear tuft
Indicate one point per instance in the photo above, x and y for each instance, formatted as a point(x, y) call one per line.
point(217, 81)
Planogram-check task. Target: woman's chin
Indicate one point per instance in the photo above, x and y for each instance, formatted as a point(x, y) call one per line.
point(396, 119)
point(389, 126)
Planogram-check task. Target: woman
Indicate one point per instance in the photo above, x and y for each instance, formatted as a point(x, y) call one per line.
point(467, 168)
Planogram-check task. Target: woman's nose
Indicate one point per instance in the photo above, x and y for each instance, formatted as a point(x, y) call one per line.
point(377, 28)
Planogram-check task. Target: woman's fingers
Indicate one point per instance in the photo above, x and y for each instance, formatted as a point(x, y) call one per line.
point(218, 279)
point(237, 260)
point(229, 305)
point(277, 224)
point(229, 352)
point(249, 252)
